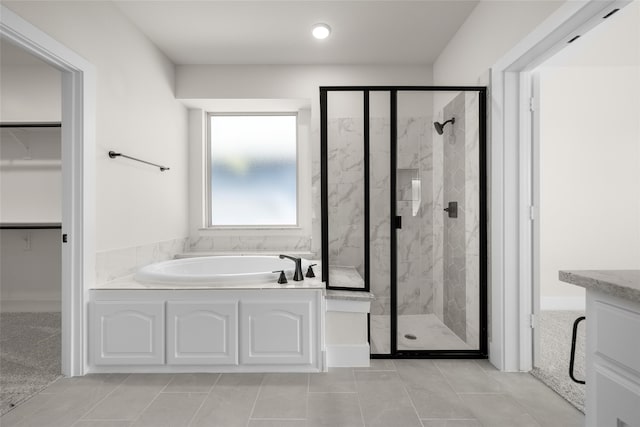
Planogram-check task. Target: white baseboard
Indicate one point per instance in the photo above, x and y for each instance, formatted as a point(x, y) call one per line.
point(30, 305)
point(348, 356)
point(563, 303)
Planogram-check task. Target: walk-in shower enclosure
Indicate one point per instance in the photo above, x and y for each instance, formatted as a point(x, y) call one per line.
point(406, 206)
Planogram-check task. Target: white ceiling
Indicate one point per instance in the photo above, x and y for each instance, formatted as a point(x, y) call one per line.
point(279, 32)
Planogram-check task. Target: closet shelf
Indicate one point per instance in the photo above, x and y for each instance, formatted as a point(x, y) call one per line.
point(30, 225)
point(30, 125)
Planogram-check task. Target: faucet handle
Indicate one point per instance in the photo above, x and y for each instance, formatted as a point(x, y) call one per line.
point(310, 271)
point(282, 279)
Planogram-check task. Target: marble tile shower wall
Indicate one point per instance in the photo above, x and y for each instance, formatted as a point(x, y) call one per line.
point(116, 263)
point(345, 185)
point(379, 215)
point(472, 217)
point(414, 239)
point(457, 251)
point(454, 263)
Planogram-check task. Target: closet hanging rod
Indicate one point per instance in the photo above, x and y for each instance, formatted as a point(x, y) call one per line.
point(113, 155)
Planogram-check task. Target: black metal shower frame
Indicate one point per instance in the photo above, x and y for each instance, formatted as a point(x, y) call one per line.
point(480, 353)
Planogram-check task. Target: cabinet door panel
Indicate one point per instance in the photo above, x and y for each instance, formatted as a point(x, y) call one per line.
point(202, 333)
point(617, 400)
point(618, 334)
point(276, 333)
point(127, 333)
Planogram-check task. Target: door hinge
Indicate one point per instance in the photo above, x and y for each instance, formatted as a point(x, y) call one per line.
point(532, 104)
point(532, 213)
point(64, 238)
point(532, 321)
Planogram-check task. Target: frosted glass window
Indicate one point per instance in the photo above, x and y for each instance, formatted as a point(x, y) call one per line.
point(253, 170)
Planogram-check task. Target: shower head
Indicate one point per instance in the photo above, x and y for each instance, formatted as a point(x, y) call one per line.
point(440, 126)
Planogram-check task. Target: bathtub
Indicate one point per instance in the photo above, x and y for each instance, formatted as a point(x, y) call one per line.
point(218, 271)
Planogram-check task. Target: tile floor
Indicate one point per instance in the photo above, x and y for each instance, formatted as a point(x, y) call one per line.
point(391, 393)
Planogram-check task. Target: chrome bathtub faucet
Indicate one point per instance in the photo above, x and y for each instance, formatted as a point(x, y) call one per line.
point(297, 276)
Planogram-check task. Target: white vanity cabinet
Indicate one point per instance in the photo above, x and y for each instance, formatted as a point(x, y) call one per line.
point(127, 333)
point(253, 330)
point(613, 361)
point(612, 345)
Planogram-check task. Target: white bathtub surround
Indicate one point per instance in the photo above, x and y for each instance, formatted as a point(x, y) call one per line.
point(118, 263)
point(206, 330)
point(347, 343)
point(249, 327)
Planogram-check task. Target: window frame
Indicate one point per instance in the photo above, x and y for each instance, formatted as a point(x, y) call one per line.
point(208, 214)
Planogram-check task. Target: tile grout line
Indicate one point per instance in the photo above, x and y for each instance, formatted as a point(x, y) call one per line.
point(153, 400)
point(503, 392)
point(306, 409)
point(404, 387)
point(355, 382)
point(101, 400)
point(193, 417)
point(446, 379)
point(255, 402)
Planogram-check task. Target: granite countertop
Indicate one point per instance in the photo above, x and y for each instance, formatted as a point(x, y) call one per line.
point(619, 283)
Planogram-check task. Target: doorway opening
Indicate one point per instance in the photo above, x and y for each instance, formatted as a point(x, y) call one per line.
point(582, 167)
point(77, 136)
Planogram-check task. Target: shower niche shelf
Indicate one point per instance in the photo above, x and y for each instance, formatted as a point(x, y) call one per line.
point(409, 188)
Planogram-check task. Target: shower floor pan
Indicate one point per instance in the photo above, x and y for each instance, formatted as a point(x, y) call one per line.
point(429, 332)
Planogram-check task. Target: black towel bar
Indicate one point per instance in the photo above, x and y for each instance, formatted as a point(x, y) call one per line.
point(113, 155)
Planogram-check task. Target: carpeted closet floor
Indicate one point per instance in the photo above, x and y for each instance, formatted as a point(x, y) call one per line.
point(555, 349)
point(29, 355)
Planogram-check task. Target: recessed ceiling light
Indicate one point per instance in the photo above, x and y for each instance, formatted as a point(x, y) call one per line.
point(321, 31)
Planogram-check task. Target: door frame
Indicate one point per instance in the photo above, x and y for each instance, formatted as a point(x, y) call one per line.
point(78, 179)
point(513, 178)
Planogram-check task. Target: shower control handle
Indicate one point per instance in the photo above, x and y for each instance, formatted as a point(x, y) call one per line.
point(452, 209)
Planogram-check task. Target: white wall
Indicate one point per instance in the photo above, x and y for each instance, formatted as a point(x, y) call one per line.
point(490, 31)
point(137, 114)
point(29, 92)
point(199, 84)
point(590, 156)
